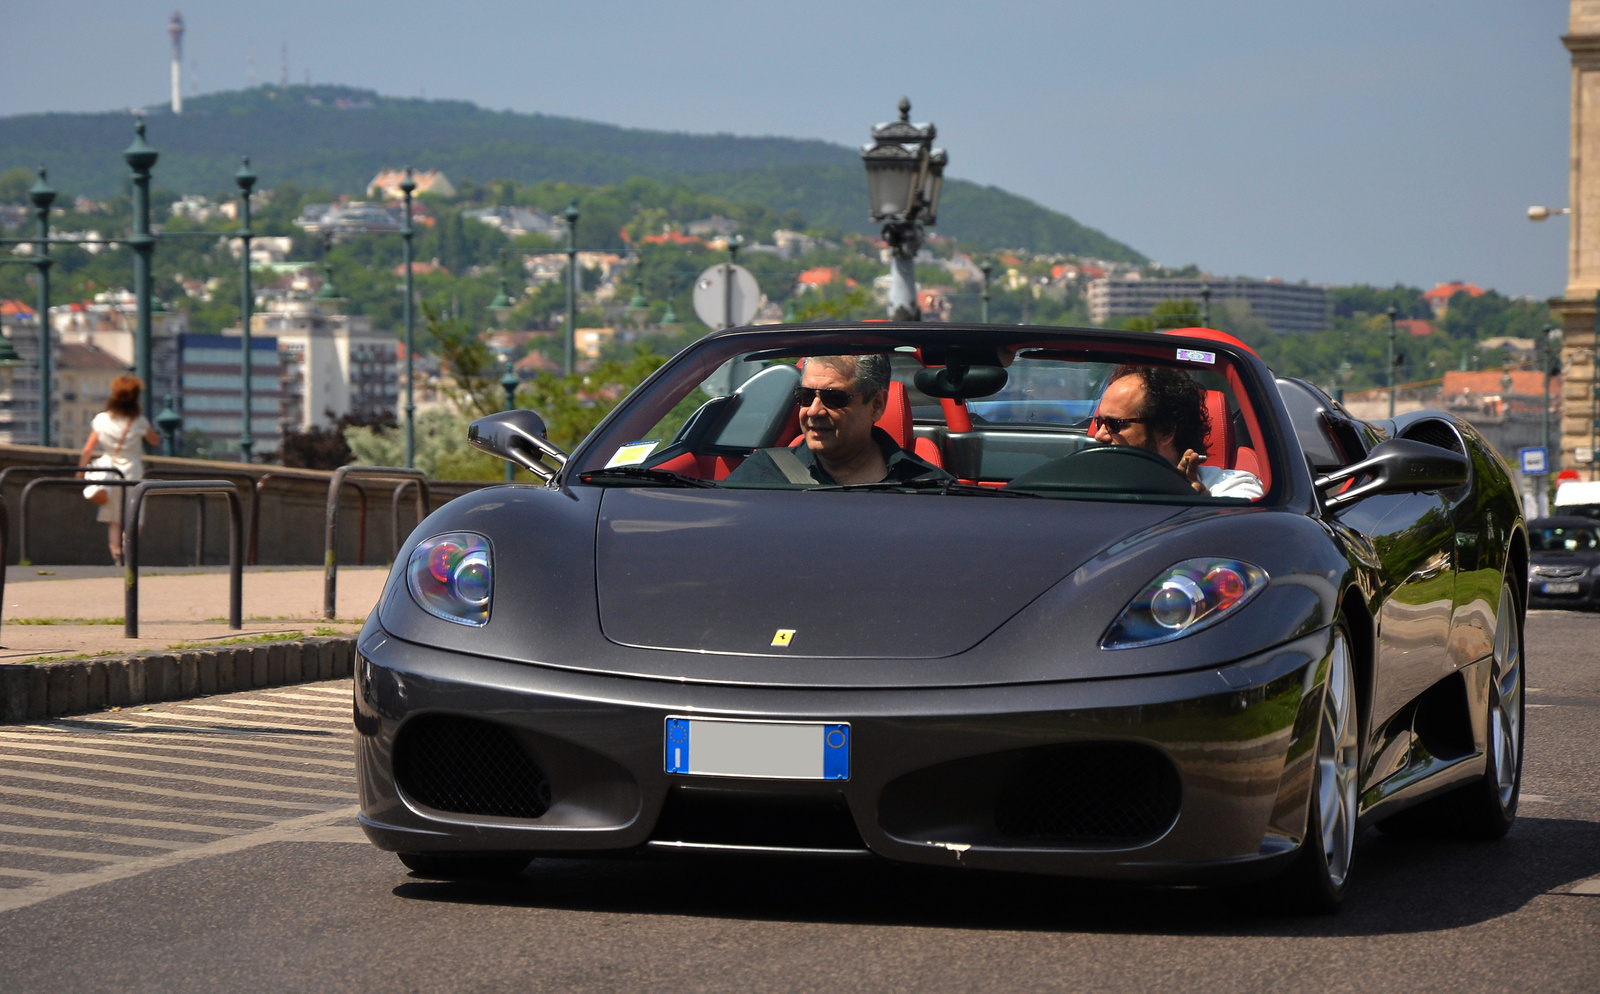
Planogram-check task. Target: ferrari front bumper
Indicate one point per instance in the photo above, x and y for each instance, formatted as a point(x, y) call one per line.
point(937, 775)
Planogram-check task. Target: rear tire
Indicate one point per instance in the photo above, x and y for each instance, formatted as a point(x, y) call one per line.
point(1315, 883)
point(465, 866)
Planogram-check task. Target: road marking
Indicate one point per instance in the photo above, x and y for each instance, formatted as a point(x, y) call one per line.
point(188, 795)
point(339, 710)
point(77, 816)
point(1586, 887)
point(150, 729)
point(70, 833)
point(334, 719)
point(88, 857)
point(54, 885)
point(164, 775)
point(94, 802)
point(184, 760)
point(167, 741)
point(160, 721)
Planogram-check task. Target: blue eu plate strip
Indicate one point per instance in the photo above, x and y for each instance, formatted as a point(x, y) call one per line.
point(677, 745)
point(835, 752)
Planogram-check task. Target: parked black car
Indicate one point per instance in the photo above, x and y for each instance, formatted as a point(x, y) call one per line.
point(1565, 556)
point(1022, 649)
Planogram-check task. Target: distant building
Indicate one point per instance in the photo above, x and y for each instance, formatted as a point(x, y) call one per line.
point(387, 183)
point(518, 221)
point(83, 375)
point(19, 385)
point(332, 364)
point(1439, 297)
point(108, 321)
point(1282, 307)
point(589, 341)
point(212, 400)
point(1415, 327)
point(715, 226)
point(354, 218)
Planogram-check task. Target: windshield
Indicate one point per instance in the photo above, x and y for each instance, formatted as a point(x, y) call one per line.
point(1564, 539)
point(1034, 413)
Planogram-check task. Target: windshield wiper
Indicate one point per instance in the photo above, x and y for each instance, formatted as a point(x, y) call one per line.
point(641, 476)
point(947, 486)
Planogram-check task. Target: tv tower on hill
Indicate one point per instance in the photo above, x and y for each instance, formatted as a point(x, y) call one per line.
point(175, 29)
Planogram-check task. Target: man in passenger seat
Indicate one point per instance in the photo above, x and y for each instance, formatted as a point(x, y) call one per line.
point(841, 398)
point(1163, 410)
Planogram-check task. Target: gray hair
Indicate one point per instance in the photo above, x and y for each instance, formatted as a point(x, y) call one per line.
point(870, 373)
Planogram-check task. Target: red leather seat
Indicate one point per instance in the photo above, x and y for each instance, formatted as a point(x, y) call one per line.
point(1219, 442)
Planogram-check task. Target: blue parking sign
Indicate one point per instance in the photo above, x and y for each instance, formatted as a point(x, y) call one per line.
point(1535, 460)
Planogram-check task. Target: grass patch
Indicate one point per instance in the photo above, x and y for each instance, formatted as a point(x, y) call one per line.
point(326, 630)
point(242, 640)
point(63, 621)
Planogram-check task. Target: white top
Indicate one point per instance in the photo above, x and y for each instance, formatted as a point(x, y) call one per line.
point(122, 442)
point(1230, 482)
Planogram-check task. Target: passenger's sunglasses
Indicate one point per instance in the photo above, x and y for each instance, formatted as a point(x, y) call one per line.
point(832, 397)
point(1115, 426)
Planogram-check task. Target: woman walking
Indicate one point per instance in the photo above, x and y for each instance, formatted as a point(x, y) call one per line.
point(118, 432)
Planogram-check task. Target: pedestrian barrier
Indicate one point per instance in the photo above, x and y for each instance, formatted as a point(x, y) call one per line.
point(130, 543)
point(55, 481)
point(330, 555)
point(5, 515)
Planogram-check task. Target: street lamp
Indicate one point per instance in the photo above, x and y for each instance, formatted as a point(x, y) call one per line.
point(904, 175)
point(1205, 305)
point(169, 421)
point(247, 305)
point(988, 271)
point(407, 233)
point(43, 196)
point(1545, 213)
point(501, 305)
point(141, 158)
point(509, 383)
point(1391, 312)
point(571, 214)
point(735, 242)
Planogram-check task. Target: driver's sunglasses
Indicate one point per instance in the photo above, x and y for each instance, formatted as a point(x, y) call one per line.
point(832, 397)
point(1115, 426)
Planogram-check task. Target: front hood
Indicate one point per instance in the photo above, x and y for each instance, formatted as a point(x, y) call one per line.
point(849, 575)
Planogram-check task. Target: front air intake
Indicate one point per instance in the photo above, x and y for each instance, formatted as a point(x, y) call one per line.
point(1090, 794)
point(471, 767)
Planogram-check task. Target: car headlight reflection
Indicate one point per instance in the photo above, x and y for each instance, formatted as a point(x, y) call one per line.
point(450, 577)
point(1191, 596)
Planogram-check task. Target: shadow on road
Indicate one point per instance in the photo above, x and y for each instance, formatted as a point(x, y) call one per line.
point(1400, 886)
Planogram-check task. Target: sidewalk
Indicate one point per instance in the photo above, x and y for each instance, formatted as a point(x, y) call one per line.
point(56, 612)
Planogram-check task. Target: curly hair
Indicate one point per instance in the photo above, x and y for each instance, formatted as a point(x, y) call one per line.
point(1173, 402)
point(124, 399)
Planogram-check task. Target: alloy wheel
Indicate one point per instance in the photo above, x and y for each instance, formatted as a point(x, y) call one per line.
point(1505, 701)
point(1337, 759)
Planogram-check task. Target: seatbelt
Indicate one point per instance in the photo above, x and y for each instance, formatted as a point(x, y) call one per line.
point(791, 467)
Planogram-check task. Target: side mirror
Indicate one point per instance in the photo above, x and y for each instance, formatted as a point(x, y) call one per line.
point(1397, 466)
point(517, 436)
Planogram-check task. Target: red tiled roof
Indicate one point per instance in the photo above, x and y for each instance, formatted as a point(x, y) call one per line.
point(1528, 382)
point(1415, 327)
point(1444, 291)
point(821, 276)
point(15, 308)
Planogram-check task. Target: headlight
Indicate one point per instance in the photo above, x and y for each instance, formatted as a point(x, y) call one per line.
point(450, 577)
point(1193, 595)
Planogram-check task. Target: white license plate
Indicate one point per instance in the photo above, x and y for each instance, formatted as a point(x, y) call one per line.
point(776, 750)
point(1558, 588)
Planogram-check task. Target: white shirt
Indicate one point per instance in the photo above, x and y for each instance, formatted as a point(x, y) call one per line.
point(1230, 482)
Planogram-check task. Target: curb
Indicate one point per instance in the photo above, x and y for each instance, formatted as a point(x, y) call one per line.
point(31, 691)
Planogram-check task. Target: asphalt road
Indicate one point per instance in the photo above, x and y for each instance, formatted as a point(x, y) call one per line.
point(207, 846)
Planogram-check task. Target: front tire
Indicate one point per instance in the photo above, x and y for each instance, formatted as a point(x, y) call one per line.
point(1317, 880)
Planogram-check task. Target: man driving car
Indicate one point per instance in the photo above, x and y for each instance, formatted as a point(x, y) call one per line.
point(1163, 411)
point(840, 398)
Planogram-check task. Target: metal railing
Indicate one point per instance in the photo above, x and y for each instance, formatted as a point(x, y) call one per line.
point(330, 554)
point(131, 509)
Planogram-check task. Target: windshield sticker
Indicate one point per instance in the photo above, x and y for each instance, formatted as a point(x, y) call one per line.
point(632, 454)
point(1195, 355)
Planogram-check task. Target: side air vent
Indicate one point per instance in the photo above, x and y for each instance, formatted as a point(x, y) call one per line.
point(1090, 794)
point(467, 766)
point(1432, 431)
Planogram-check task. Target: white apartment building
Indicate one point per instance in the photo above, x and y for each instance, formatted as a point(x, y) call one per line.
point(1282, 307)
point(333, 364)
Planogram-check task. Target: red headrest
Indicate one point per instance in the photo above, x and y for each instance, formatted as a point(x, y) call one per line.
point(896, 418)
point(1219, 443)
point(1212, 335)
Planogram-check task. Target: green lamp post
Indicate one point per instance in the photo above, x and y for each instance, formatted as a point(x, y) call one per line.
point(246, 181)
point(43, 196)
point(501, 304)
point(407, 233)
point(141, 158)
point(988, 273)
point(509, 382)
point(1391, 312)
point(168, 422)
point(571, 214)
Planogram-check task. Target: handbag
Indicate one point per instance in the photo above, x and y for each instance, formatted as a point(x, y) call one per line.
point(97, 494)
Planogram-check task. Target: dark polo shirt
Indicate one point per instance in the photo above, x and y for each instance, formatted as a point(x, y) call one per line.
point(760, 469)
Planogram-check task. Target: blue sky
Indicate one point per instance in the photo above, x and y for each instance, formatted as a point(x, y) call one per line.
point(1338, 142)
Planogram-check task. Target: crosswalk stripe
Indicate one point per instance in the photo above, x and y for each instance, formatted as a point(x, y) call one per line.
point(26, 874)
point(339, 719)
point(95, 802)
point(343, 696)
point(164, 721)
point(164, 775)
point(191, 795)
point(80, 816)
point(71, 833)
point(340, 710)
point(78, 750)
point(208, 744)
point(88, 857)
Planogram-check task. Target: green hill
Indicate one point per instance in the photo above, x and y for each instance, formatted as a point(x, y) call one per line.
point(337, 138)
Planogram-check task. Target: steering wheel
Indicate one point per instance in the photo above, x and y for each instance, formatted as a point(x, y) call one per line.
point(1124, 469)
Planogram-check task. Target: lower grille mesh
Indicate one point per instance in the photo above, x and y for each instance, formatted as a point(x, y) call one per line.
point(467, 766)
point(1091, 794)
